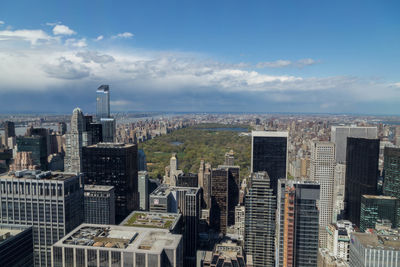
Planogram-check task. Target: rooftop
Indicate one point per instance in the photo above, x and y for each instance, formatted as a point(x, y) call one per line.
point(7, 231)
point(164, 190)
point(111, 145)
point(38, 175)
point(379, 197)
point(104, 188)
point(113, 237)
point(372, 240)
point(156, 220)
point(269, 134)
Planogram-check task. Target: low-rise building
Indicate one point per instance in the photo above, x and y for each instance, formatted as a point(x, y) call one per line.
point(117, 246)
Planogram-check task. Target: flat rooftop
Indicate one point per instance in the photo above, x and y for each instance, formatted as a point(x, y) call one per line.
point(163, 190)
point(379, 197)
point(8, 231)
point(111, 145)
point(117, 238)
point(37, 175)
point(156, 220)
point(104, 188)
point(391, 242)
point(269, 134)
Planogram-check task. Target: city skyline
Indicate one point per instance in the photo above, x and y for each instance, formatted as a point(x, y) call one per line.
point(280, 57)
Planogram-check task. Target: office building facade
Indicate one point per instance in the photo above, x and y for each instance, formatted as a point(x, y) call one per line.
point(143, 188)
point(391, 183)
point(260, 205)
point(99, 204)
point(361, 174)
point(115, 165)
point(37, 145)
point(269, 153)
point(298, 223)
point(52, 203)
point(322, 169)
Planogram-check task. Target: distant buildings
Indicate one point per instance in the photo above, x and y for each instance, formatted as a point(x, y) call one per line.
point(361, 174)
point(9, 131)
point(374, 208)
point(269, 153)
point(115, 165)
point(204, 177)
point(322, 171)
point(260, 204)
point(371, 249)
point(338, 242)
point(391, 183)
point(52, 203)
point(339, 136)
point(118, 246)
point(99, 204)
point(298, 223)
point(16, 247)
point(187, 180)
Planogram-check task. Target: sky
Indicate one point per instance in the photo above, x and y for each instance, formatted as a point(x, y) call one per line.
point(201, 56)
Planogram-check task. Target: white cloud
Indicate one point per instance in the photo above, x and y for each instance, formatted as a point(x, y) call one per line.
point(1, 22)
point(99, 38)
point(125, 35)
point(32, 36)
point(62, 30)
point(66, 69)
point(76, 43)
point(287, 63)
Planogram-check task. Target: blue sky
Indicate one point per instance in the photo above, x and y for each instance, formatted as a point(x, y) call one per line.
point(264, 56)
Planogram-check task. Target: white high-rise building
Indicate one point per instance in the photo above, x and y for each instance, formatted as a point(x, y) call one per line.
point(339, 136)
point(74, 141)
point(322, 171)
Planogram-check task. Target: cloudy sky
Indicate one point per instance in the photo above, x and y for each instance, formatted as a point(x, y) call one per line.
point(243, 56)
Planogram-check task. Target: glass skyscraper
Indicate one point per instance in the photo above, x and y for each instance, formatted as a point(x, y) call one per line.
point(103, 102)
point(269, 153)
point(391, 183)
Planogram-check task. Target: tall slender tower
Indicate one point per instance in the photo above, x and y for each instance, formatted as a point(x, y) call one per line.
point(391, 185)
point(298, 223)
point(259, 230)
point(75, 140)
point(323, 171)
point(103, 102)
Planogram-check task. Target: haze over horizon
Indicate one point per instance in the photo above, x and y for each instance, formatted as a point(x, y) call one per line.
point(225, 56)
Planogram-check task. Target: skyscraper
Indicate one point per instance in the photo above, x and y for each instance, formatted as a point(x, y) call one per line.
point(108, 127)
point(74, 141)
point(37, 146)
point(224, 196)
point(259, 230)
point(322, 171)
point(103, 102)
point(205, 183)
point(16, 245)
point(116, 165)
point(361, 174)
point(298, 223)
point(52, 203)
point(143, 188)
point(391, 183)
point(9, 131)
point(269, 153)
point(339, 136)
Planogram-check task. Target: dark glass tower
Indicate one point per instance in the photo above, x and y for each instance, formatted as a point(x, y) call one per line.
point(37, 145)
point(391, 183)
point(298, 225)
point(260, 205)
point(269, 153)
point(361, 174)
point(114, 165)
